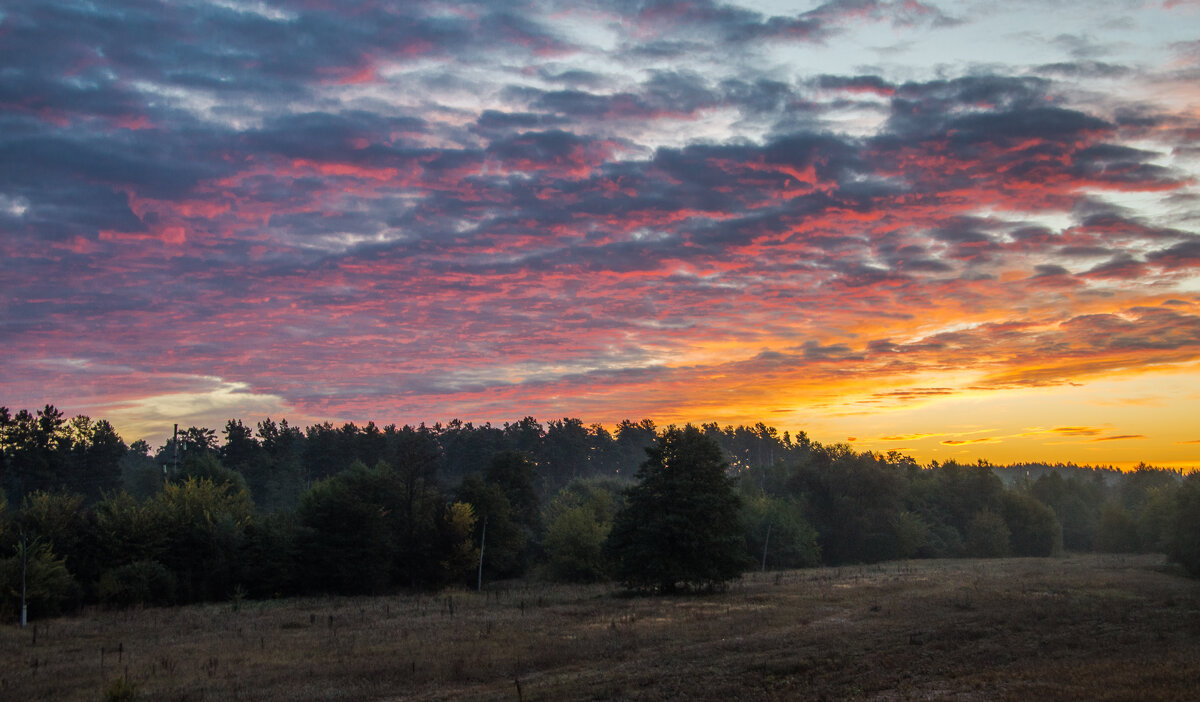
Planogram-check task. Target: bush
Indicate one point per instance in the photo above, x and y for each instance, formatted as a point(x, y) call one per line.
point(120, 690)
point(138, 583)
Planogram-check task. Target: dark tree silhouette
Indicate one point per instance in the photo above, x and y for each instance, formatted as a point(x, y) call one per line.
point(681, 523)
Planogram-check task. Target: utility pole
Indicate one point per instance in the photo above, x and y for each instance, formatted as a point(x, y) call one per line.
point(766, 542)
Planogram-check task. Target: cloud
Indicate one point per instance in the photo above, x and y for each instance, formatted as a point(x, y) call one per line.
point(908, 437)
point(634, 207)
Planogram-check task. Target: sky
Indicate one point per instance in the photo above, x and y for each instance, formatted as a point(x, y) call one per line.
point(964, 230)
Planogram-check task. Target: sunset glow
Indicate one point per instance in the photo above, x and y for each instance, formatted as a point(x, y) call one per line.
point(960, 230)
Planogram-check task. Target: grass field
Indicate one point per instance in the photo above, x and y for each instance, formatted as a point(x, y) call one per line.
point(1077, 627)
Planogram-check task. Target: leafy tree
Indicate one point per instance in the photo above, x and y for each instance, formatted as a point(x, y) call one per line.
point(1184, 546)
point(1033, 527)
point(1156, 518)
point(141, 475)
point(854, 502)
point(1076, 503)
point(94, 461)
point(681, 525)
point(35, 448)
point(512, 472)
point(205, 465)
point(460, 555)
point(988, 536)
point(578, 522)
point(348, 542)
point(60, 521)
point(137, 583)
point(270, 555)
point(48, 584)
point(420, 506)
point(203, 526)
point(632, 440)
point(468, 448)
point(777, 526)
point(564, 453)
point(129, 530)
point(1117, 531)
point(282, 481)
point(507, 540)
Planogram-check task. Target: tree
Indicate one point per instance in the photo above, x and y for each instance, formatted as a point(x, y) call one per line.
point(988, 536)
point(778, 535)
point(203, 526)
point(507, 547)
point(349, 534)
point(1184, 546)
point(578, 521)
point(1117, 531)
point(1033, 528)
point(681, 523)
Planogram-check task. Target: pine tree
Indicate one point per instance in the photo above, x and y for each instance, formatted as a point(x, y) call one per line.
point(680, 527)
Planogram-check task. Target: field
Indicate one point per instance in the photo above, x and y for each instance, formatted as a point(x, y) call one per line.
point(1077, 627)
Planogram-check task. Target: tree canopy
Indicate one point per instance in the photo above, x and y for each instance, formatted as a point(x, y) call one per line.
point(680, 527)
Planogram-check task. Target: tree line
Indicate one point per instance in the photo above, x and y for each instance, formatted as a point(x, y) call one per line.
point(272, 510)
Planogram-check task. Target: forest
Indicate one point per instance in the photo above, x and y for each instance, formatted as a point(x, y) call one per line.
point(273, 510)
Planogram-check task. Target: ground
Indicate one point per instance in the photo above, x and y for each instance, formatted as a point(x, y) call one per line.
point(1075, 627)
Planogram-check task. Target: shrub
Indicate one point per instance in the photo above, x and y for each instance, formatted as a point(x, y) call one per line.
point(138, 583)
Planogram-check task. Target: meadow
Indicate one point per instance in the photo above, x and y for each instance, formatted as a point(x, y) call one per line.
point(1095, 627)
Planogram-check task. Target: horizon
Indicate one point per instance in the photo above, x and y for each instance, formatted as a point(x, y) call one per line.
point(960, 231)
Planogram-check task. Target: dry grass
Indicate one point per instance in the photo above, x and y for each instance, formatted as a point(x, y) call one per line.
point(1082, 627)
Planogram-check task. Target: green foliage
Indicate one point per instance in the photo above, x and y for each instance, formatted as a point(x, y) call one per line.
point(914, 537)
point(461, 555)
point(49, 587)
point(1156, 519)
point(578, 522)
point(368, 529)
point(204, 523)
point(681, 523)
point(854, 501)
point(1033, 527)
point(269, 556)
point(1184, 544)
point(778, 526)
point(1117, 530)
point(988, 536)
point(577, 525)
point(121, 690)
point(205, 465)
point(137, 583)
point(575, 545)
point(129, 530)
point(348, 541)
point(1076, 502)
point(141, 475)
point(506, 552)
point(60, 521)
